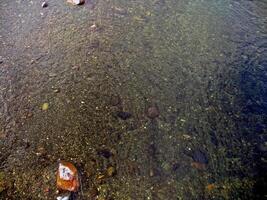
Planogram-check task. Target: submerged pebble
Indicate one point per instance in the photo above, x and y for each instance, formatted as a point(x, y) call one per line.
point(152, 112)
point(200, 157)
point(76, 2)
point(45, 106)
point(124, 115)
point(111, 171)
point(63, 198)
point(44, 4)
point(105, 153)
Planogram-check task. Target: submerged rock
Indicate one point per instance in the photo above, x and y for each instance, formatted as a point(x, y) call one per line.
point(200, 157)
point(44, 4)
point(67, 177)
point(153, 112)
point(105, 153)
point(45, 106)
point(111, 171)
point(124, 115)
point(76, 2)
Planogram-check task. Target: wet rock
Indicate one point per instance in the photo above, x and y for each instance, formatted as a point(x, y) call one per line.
point(67, 177)
point(76, 2)
point(44, 4)
point(105, 153)
point(93, 27)
point(75, 67)
point(124, 115)
point(200, 157)
point(45, 106)
point(63, 197)
point(153, 112)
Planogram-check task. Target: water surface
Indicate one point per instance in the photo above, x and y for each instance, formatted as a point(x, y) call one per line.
point(202, 64)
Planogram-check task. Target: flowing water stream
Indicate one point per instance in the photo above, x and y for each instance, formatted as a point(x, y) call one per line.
point(171, 94)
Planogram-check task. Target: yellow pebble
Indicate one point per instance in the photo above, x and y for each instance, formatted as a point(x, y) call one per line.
point(45, 106)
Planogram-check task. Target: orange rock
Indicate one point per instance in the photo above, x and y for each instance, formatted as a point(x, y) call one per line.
point(210, 187)
point(198, 165)
point(67, 177)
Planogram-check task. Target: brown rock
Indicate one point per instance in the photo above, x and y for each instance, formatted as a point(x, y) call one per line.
point(111, 171)
point(153, 112)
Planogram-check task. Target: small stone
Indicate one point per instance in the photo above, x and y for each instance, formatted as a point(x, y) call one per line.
point(186, 137)
point(29, 115)
point(45, 106)
point(124, 115)
point(75, 67)
point(63, 197)
point(52, 74)
point(44, 4)
point(111, 171)
point(40, 151)
point(105, 153)
point(57, 90)
point(152, 112)
point(76, 2)
point(93, 26)
point(67, 177)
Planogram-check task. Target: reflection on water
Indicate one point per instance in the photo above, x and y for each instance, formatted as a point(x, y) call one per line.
point(171, 94)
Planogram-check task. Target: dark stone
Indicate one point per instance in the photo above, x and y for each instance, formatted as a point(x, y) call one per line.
point(152, 112)
point(124, 115)
point(200, 157)
point(44, 4)
point(115, 100)
point(105, 153)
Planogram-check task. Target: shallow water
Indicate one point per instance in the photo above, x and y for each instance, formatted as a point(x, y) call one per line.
point(202, 64)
